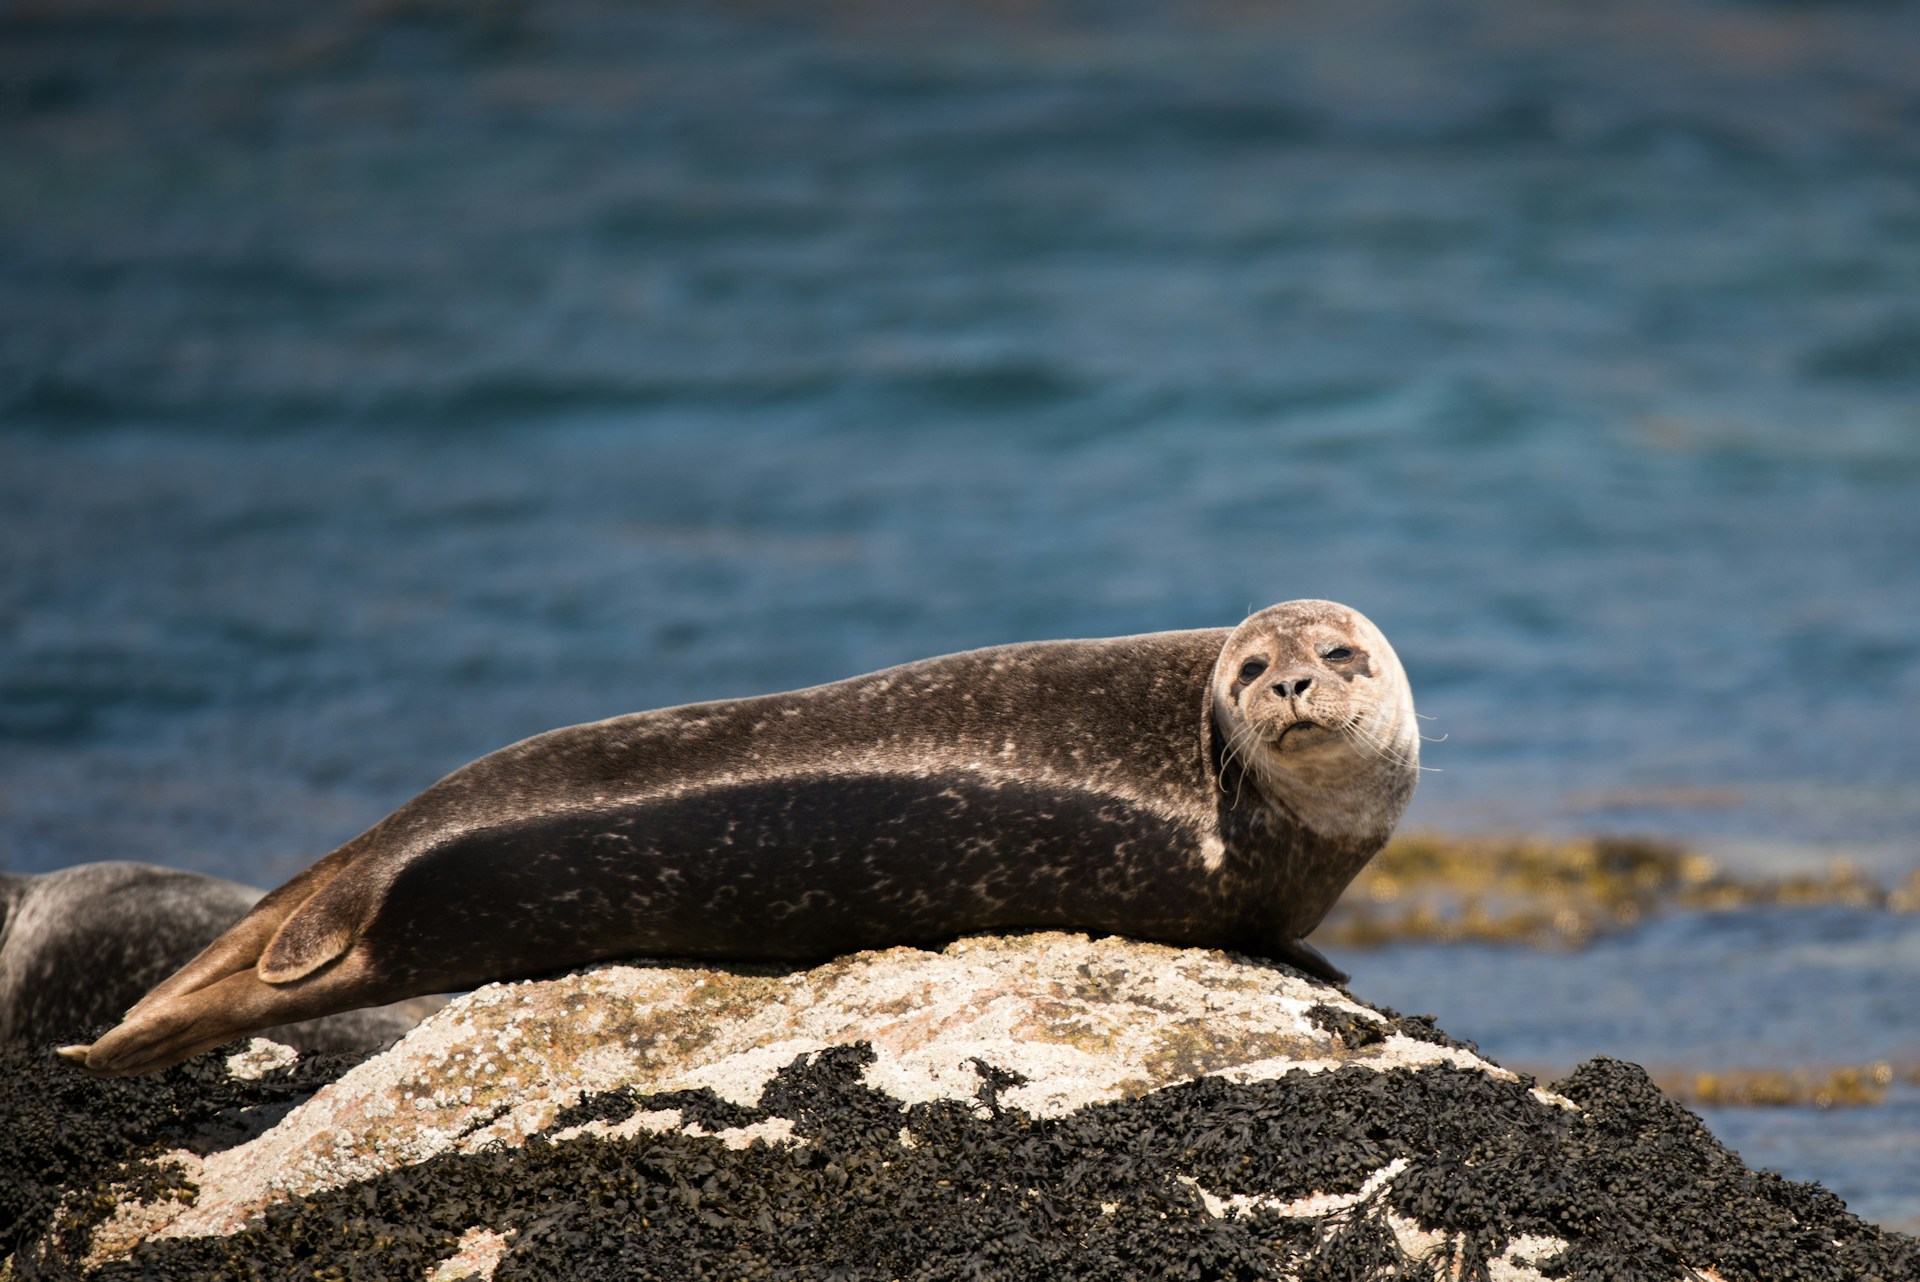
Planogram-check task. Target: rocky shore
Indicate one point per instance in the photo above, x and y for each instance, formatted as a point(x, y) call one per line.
point(1037, 1106)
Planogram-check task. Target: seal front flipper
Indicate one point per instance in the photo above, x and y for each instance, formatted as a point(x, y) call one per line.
point(1301, 955)
point(169, 1032)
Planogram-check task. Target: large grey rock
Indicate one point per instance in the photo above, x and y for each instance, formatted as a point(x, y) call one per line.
point(1046, 1105)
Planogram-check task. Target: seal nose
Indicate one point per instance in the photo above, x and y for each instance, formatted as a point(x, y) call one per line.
point(1292, 689)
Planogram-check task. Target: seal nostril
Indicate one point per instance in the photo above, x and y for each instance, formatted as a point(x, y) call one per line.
point(1292, 689)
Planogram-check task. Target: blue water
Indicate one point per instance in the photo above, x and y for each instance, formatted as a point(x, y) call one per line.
point(1679, 992)
point(380, 386)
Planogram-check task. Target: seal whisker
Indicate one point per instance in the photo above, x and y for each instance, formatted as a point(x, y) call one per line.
point(1229, 749)
point(1356, 735)
point(1235, 744)
point(1407, 759)
point(1383, 748)
point(1359, 733)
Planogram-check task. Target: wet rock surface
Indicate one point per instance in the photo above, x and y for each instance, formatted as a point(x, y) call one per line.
point(1041, 1106)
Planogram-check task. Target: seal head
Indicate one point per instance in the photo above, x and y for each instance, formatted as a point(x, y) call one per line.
point(1313, 703)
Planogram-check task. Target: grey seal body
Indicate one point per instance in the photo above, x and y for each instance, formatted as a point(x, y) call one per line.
point(79, 945)
point(1216, 787)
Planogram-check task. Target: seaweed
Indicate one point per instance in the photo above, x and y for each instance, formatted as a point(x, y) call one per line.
point(63, 1133)
point(975, 1189)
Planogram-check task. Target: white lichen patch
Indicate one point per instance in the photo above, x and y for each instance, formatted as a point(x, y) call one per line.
point(739, 1078)
point(642, 1122)
point(1081, 1021)
point(1525, 1258)
point(1313, 1206)
point(260, 1058)
point(1396, 1051)
point(479, 1254)
point(1522, 1261)
point(774, 1130)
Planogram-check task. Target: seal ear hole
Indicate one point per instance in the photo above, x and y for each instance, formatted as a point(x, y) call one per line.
point(1252, 668)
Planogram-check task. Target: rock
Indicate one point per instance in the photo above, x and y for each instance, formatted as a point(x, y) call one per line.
point(1038, 1106)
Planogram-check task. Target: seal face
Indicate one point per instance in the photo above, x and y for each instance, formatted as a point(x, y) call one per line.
point(1214, 787)
point(1314, 704)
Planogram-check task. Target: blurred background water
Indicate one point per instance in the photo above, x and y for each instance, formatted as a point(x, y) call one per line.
point(382, 384)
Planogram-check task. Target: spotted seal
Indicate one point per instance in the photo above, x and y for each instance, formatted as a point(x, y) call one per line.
point(1216, 787)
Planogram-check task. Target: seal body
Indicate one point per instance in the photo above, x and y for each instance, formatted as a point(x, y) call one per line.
point(81, 944)
point(1215, 787)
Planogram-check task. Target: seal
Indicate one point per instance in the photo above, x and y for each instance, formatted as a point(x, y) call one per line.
point(1217, 787)
point(79, 945)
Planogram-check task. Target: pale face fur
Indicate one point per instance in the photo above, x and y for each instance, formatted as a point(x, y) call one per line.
point(1313, 702)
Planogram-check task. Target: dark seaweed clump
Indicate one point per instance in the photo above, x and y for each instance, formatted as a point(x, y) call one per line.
point(64, 1132)
point(1636, 1185)
point(1350, 1030)
point(1424, 1028)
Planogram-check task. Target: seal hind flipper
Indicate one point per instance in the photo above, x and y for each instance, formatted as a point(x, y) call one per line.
point(246, 980)
point(233, 952)
point(171, 1031)
point(163, 1033)
point(241, 946)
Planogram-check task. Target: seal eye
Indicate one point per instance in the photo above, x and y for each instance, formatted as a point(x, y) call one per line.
point(1338, 653)
point(1252, 668)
